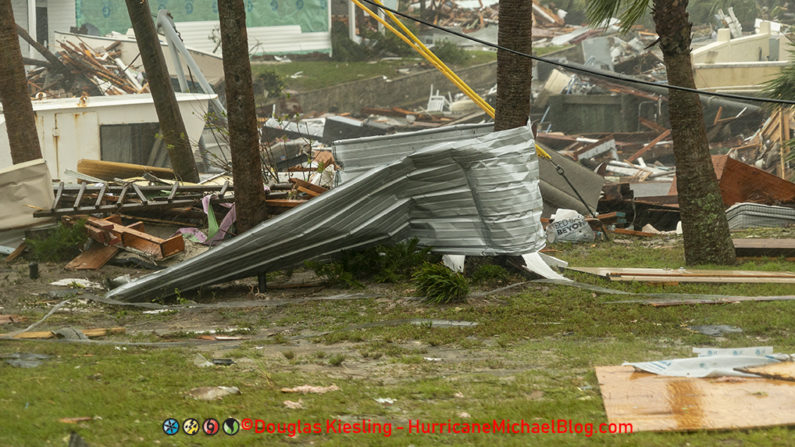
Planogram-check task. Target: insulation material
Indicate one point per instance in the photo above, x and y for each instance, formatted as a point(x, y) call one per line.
point(713, 362)
point(26, 187)
point(474, 196)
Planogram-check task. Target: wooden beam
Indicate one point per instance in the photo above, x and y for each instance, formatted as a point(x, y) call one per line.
point(648, 147)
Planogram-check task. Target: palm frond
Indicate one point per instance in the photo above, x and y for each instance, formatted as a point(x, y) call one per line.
point(634, 13)
point(782, 86)
point(599, 11)
point(629, 11)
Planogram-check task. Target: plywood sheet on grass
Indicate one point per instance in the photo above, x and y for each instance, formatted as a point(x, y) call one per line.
point(660, 403)
point(780, 371)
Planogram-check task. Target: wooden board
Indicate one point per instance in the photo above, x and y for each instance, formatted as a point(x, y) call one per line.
point(688, 275)
point(108, 170)
point(17, 252)
point(779, 371)
point(658, 403)
point(764, 247)
point(740, 182)
point(93, 258)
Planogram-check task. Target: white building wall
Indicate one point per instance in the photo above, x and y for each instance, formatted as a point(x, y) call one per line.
point(60, 17)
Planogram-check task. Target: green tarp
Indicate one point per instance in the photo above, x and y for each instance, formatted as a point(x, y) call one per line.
point(111, 15)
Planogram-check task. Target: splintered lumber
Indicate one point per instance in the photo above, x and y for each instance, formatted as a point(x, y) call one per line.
point(93, 258)
point(109, 170)
point(764, 247)
point(660, 403)
point(130, 237)
point(688, 275)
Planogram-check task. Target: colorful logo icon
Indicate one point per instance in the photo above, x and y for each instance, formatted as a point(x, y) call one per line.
point(171, 426)
point(190, 426)
point(210, 426)
point(231, 426)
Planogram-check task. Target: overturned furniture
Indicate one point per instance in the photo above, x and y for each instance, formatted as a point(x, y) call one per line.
point(476, 196)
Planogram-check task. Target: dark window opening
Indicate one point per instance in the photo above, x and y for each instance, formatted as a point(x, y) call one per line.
point(133, 143)
point(42, 30)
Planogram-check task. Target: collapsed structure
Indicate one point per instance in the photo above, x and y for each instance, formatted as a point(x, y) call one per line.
point(474, 196)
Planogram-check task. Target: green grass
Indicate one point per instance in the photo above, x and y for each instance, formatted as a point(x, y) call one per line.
point(530, 356)
point(320, 74)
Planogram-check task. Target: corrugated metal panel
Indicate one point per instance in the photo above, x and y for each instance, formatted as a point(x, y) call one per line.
point(362, 154)
point(261, 40)
point(359, 155)
point(469, 197)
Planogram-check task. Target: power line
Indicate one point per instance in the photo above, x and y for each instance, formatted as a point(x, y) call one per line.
point(614, 76)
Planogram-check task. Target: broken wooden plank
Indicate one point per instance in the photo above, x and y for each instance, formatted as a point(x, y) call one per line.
point(93, 258)
point(6, 319)
point(38, 335)
point(688, 275)
point(633, 232)
point(17, 252)
point(102, 332)
point(310, 186)
point(109, 170)
point(308, 192)
point(651, 125)
point(764, 247)
point(660, 403)
point(155, 246)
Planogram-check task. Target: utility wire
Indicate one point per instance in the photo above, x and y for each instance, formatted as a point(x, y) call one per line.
point(614, 76)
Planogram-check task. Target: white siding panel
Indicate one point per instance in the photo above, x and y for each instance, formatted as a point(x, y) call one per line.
point(60, 17)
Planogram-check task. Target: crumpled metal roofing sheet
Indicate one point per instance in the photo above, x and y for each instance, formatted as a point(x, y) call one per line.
point(475, 196)
point(358, 155)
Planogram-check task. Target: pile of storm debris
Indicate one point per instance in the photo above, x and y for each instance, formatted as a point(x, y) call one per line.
point(78, 70)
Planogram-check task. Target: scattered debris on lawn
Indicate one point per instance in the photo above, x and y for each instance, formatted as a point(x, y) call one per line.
point(213, 392)
point(311, 389)
point(76, 420)
point(24, 359)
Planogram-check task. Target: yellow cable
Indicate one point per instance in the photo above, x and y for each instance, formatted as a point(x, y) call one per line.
point(445, 69)
point(458, 82)
point(424, 51)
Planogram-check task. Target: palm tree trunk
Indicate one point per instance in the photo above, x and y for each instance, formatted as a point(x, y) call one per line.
point(514, 73)
point(242, 117)
point(172, 128)
point(18, 112)
point(706, 232)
